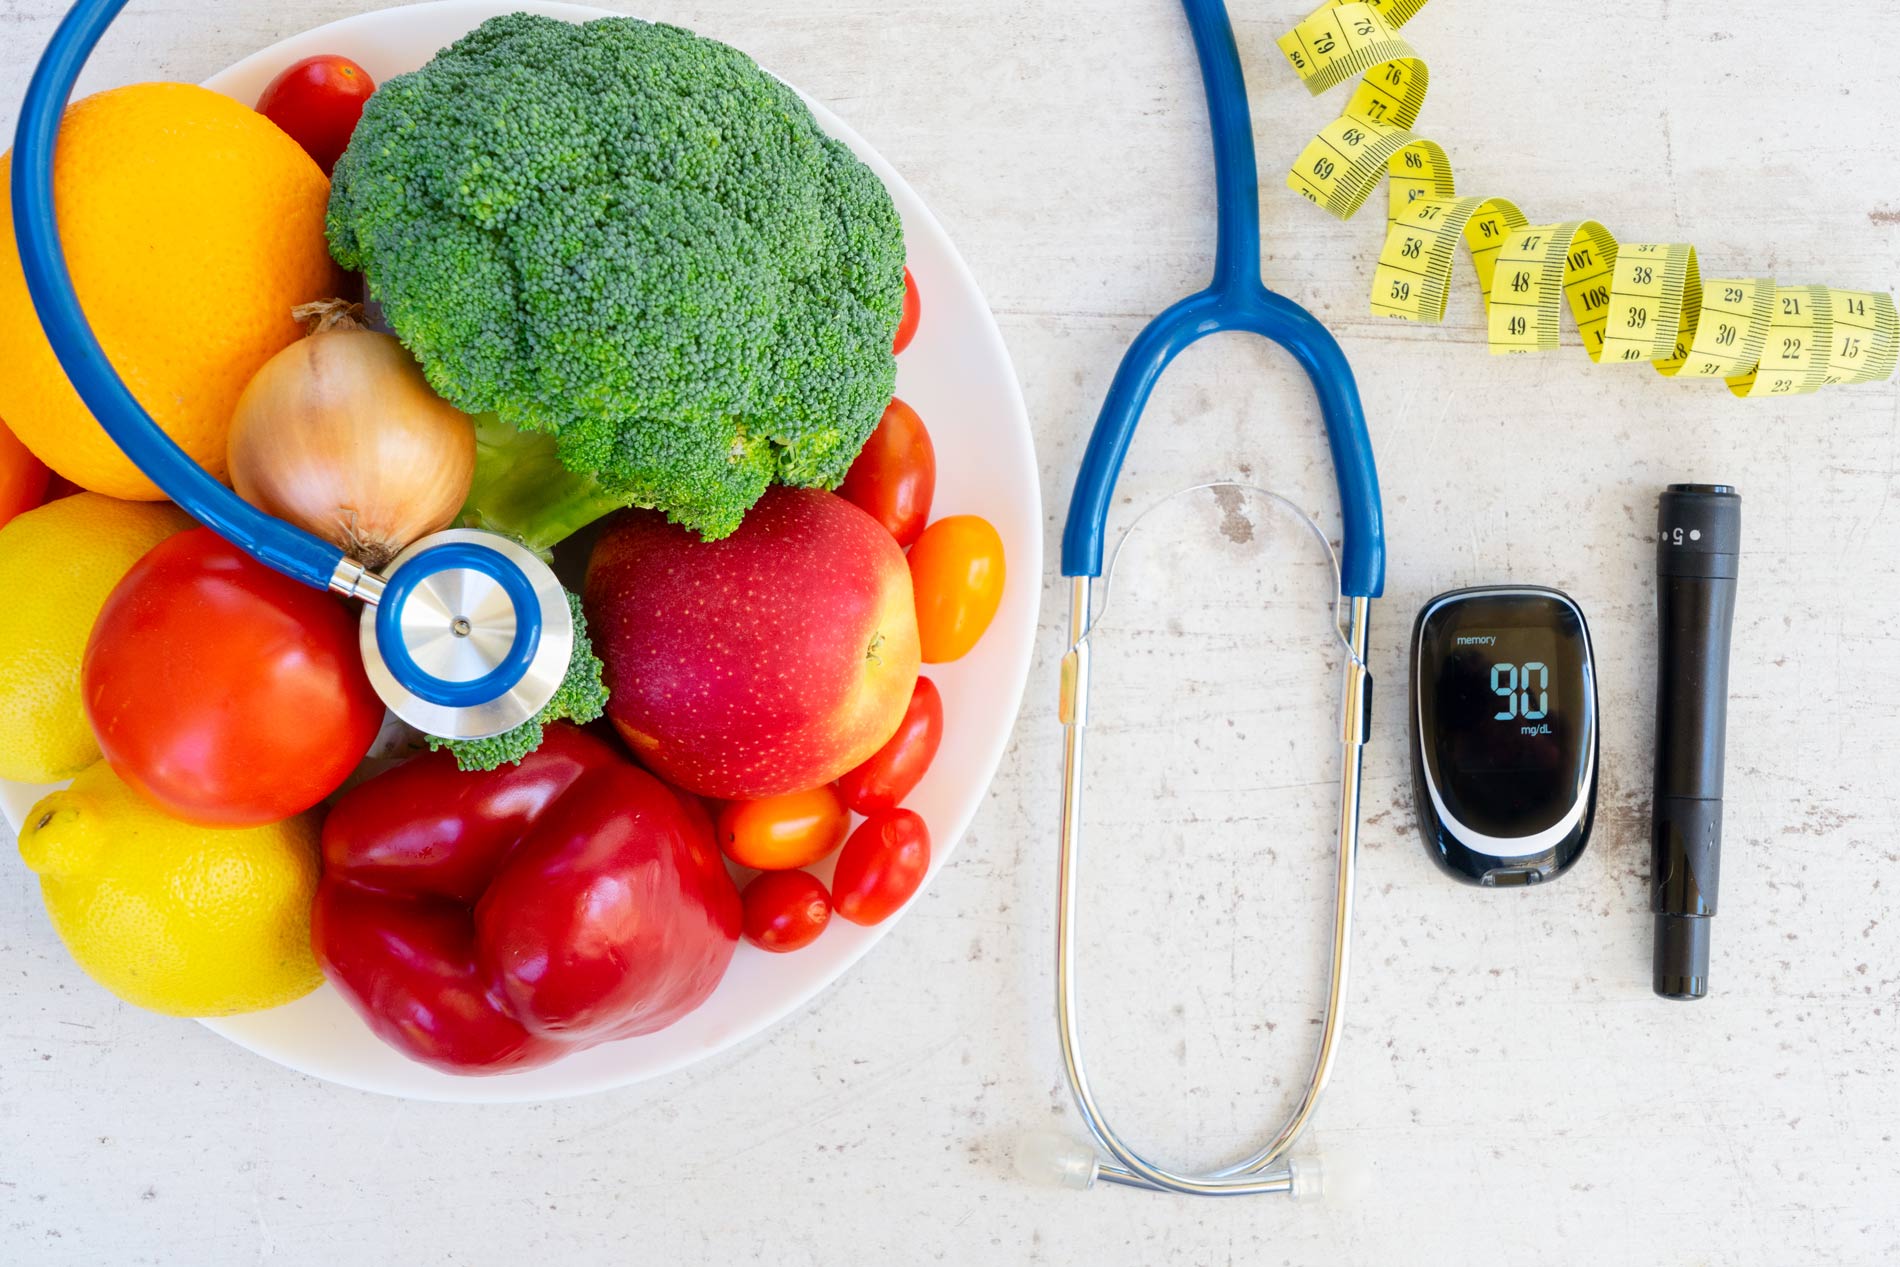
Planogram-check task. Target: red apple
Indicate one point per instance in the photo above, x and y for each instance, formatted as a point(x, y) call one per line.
point(771, 661)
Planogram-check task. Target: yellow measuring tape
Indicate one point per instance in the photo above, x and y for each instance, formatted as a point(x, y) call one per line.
point(1631, 302)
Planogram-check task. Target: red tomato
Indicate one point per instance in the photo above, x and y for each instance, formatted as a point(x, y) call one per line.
point(318, 101)
point(895, 475)
point(913, 313)
point(891, 773)
point(881, 866)
point(785, 910)
point(223, 691)
point(22, 477)
point(956, 570)
point(781, 833)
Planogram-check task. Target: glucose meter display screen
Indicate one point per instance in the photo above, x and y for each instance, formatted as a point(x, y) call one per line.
point(1504, 708)
point(1497, 688)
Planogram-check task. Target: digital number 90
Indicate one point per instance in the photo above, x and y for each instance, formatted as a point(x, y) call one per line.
point(1514, 685)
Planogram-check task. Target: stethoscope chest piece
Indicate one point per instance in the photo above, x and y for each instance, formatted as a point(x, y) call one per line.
point(469, 636)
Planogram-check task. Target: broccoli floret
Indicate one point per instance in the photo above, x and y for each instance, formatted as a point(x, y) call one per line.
point(580, 698)
point(637, 242)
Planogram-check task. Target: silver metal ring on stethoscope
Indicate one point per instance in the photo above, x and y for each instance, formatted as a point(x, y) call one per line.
point(451, 616)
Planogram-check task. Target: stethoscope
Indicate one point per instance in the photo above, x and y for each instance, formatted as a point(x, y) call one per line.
point(466, 634)
point(1236, 300)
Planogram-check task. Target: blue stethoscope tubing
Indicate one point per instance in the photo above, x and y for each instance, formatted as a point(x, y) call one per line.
point(1236, 300)
point(283, 546)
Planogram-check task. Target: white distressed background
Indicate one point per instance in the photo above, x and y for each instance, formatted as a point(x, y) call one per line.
point(1518, 1094)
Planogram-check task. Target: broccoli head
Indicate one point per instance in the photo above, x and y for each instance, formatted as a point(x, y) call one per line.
point(635, 241)
point(580, 698)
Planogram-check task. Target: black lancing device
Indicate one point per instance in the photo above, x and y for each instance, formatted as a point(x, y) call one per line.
point(1698, 542)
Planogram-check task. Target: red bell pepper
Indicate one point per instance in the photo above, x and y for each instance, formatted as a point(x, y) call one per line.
point(484, 922)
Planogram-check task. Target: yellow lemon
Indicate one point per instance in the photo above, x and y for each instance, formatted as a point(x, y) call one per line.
point(192, 226)
point(57, 565)
point(181, 919)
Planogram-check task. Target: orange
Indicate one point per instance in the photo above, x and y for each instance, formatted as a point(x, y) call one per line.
point(192, 226)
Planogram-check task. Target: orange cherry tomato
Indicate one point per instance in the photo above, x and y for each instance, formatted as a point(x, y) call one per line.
point(892, 772)
point(22, 477)
point(881, 866)
point(956, 569)
point(785, 910)
point(781, 833)
point(895, 474)
point(913, 313)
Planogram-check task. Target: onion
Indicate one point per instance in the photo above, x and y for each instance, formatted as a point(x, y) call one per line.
point(340, 434)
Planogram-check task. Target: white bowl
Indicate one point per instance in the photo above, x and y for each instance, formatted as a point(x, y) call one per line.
point(958, 376)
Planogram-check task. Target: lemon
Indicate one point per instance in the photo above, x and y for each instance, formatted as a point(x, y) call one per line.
point(57, 565)
point(192, 225)
point(181, 919)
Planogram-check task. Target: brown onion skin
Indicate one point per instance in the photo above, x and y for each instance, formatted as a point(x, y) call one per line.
point(340, 434)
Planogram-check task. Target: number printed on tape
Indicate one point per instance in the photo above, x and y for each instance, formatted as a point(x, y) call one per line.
point(1632, 303)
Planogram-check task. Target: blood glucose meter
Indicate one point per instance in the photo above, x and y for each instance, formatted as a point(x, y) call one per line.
point(1504, 732)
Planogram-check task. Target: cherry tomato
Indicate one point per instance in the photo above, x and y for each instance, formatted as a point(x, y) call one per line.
point(318, 101)
point(913, 313)
point(956, 570)
point(22, 477)
point(890, 774)
point(895, 474)
point(223, 691)
point(881, 866)
point(785, 910)
point(781, 833)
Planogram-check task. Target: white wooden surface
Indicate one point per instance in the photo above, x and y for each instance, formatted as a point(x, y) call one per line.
point(1514, 1090)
